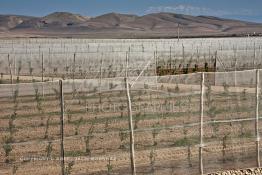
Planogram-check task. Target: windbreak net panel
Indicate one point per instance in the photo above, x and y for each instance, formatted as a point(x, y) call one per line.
point(165, 118)
point(30, 128)
point(229, 120)
point(96, 126)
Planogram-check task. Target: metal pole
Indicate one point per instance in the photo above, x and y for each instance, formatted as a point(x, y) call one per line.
point(62, 155)
point(131, 130)
point(201, 124)
point(257, 116)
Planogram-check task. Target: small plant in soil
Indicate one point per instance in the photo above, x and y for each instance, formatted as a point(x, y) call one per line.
point(7, 149)
point(39, 101)
point(226, 88)
point(137, 119)
point(56, 92)
point(123, 136)
point(152, 158)
point(14, 169)
point(49, 149)
point(77, 125)
point(244, 94)
point(208, 95)
point(47, 127)
point(109, 167)
point(155, 132)
point(30, 69)
point(88, 138)
point(11, 125)
point(107, 125)
point(69, 116)
point(122, 107)
point(12, 118)
point(68, 169)
point(19, 70)
point(224, 144)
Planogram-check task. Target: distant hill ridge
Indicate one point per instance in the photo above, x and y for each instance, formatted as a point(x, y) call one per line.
point(115, 25)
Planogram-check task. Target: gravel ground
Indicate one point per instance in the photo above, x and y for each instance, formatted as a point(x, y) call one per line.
point(250, 171)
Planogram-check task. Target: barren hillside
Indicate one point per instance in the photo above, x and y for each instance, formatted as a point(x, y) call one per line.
point(114, 25)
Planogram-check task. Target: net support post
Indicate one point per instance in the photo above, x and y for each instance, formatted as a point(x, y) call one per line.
point(202, 86)
point(131, 129)
point(257, 120)
point(62, 154)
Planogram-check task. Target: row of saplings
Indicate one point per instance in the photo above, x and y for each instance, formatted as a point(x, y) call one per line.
point(123, 135)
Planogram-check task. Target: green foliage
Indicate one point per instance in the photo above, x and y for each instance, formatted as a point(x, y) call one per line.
point(49, 149)
point(152, 158)
point(186, 141)
point(215, 127)
point(224, 144)
point(226, 88)
point(56, 92)
point(137, 119)
point(11, 125)
point(14, 169)
point(88, 138)
point(146, 86)
point(244, 94)
point(77, 125)
point(177, 89)
point(112, 85)
point(208, 94)
point(109, 167)
point(74, 153)
point(39, 101)
point(19, 66)
point(47, 127)
point(189, 155)
point(30, 68)
point(122, 135)
point(7, 148)
point(69, 116)
point(68, 169)
point(156, 130)
point(107, 125)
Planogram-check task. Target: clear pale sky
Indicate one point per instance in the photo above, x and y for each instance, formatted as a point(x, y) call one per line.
point(238, 9)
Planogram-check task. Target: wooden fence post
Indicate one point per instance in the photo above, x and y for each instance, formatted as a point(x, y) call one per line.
point(62, 154)
point(131, 129)
point(202, 85)
point(257, 117)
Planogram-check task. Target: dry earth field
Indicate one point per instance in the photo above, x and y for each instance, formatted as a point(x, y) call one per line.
point(166, 113)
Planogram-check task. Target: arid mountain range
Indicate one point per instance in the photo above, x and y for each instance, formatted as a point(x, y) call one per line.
point(114, 25)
